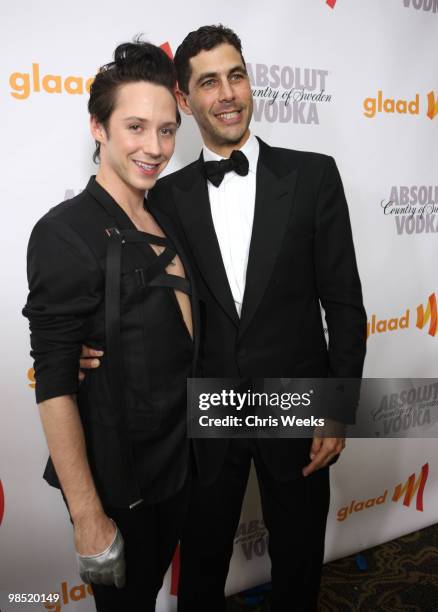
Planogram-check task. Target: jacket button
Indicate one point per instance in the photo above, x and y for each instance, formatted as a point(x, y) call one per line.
point(242, 353)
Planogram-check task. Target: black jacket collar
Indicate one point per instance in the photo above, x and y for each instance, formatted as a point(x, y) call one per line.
point(275, 187)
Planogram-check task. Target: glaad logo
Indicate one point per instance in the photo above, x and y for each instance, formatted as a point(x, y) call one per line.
point(432, 104)
point(287, 94)
point(430, 313)
point(412, 487)
point(31, 378)
point(69, 595)
point(402, 106)
point(425, 5)
point(413, 208)
point(24, 83)
point(409, 489)
point(372, 106)
point(2, 502)
point(379, 326)
point(358, 506)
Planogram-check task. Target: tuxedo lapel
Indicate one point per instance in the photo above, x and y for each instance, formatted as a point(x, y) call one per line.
point(275, 186)
point(193, 207)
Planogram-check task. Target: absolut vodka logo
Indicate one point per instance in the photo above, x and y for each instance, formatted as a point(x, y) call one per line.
point(407, 409)
point(414, 208)
point(288, 94)
point(252, 537)
point(429, 6)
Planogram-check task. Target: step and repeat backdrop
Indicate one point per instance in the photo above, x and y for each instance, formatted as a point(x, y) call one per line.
point(353, 79)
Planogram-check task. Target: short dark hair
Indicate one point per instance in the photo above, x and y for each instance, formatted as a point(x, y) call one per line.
point(203, 39)
point(133, 61)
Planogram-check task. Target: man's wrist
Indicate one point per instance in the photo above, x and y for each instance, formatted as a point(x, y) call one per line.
point(82, 513)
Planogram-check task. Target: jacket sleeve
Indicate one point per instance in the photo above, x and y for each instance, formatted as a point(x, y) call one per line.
point(66, 287)
point(337, 278)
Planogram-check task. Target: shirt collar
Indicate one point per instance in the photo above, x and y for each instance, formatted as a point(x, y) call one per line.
point(251, 149)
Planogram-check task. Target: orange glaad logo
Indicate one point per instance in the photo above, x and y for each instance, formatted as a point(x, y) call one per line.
point(428, 315)
point(31, 378)
point(412, 487)
point(409, 489)
point(425, 315)
point(432, 105)
point(379, 326)
point(23, 84)
point(383, 104)
point(69, 594)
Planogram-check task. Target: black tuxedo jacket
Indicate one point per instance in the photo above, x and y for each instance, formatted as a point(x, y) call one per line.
point(301, 255)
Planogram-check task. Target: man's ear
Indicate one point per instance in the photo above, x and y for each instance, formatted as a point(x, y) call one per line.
point(97, 130)
point(183, 102)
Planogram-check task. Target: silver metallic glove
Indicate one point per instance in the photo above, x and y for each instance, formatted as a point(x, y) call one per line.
point(107, 567)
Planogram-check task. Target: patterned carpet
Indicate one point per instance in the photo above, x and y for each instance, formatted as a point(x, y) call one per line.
point(399, 576)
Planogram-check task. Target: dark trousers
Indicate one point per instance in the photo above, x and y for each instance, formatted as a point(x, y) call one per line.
point(295, 514)
point(151, 534)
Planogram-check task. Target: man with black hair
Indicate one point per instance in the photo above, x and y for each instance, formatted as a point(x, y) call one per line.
point(104, 271)
point(269, 234)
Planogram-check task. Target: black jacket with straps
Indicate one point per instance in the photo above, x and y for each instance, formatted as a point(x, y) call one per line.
point(94, 279)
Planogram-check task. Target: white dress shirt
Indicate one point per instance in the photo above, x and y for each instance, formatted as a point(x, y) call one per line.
point(232, 208)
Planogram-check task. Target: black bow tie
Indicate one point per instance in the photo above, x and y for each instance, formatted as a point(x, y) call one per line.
point(216, 170)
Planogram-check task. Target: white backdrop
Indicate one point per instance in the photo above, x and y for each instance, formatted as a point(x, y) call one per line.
point(385, 147)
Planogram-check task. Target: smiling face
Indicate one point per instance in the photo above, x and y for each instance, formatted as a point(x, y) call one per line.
point(219, 98)
point(139, 139)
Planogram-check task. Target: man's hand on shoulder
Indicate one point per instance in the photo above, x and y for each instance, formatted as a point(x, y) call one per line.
point(88, 360)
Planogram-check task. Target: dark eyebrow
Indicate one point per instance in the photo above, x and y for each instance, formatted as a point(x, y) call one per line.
point(205, 75)
point(139, 119)
point(142, 120)
point(210, 75)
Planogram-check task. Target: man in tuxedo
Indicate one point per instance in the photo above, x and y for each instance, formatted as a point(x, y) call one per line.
point(269, 234)
point(270, 237)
